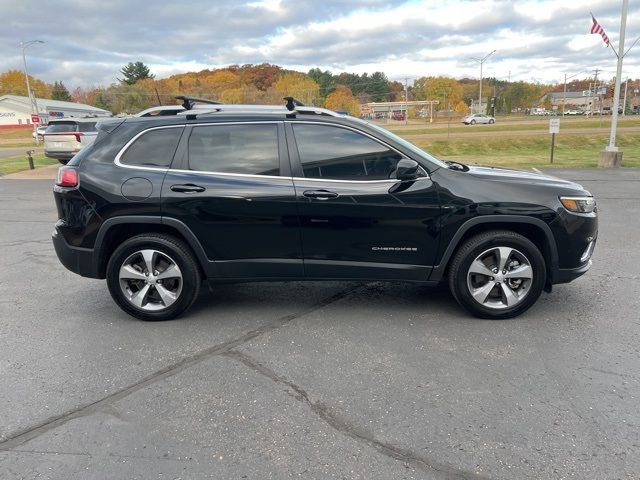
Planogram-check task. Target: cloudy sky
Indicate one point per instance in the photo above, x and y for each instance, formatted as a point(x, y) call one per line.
point(86, 43)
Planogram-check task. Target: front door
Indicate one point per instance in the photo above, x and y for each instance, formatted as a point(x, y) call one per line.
point(357, 221)
point(232, 187)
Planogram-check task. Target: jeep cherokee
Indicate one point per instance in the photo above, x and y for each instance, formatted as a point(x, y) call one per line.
point(236, 193)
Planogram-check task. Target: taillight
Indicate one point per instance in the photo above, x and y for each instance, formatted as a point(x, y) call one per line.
point(78, 137)
point(67, 177)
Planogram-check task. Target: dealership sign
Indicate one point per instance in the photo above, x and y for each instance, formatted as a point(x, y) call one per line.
point(53, 114)
point(35, 118)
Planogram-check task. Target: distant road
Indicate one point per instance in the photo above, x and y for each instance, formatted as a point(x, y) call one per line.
point(14, 152)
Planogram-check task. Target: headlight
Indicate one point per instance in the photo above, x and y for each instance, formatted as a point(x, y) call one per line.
point(579, 204)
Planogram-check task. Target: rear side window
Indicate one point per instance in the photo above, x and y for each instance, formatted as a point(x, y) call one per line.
point(154, 148)
point(342, 154)
point(62, 127)
point(243, 149)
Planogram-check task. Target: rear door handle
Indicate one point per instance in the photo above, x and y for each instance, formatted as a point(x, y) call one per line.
point(320, 194)
point(187, 188)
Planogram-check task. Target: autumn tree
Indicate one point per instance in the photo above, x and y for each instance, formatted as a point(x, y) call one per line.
point(436, 88)
point(297, 85)
point(462, 108)
point(12, 82)
point(135, 71)
point(60, 92)
point(342, 99)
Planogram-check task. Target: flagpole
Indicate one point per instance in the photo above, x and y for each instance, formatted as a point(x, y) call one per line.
point(616, 95)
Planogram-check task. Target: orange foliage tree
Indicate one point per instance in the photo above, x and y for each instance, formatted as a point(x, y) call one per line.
point(342, 99)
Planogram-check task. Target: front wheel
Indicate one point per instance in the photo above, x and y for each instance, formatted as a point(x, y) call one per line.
point(472, 122)
point(491, 120)
point(153, 277)
point(497, 274)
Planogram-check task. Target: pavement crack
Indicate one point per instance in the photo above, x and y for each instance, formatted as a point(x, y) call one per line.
point(24, 435)
point(350, 430)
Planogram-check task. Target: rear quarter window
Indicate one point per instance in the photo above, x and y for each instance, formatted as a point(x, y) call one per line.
point(154, 148)
point(87, 127)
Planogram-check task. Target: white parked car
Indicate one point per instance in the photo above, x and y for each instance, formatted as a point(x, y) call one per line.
point(67, 136)
point(477, 118)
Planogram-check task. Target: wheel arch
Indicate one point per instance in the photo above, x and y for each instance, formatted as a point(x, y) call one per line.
point(115, 230)
point(532, 228)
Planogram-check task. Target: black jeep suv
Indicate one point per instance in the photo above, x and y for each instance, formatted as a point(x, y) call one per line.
point(234, 193)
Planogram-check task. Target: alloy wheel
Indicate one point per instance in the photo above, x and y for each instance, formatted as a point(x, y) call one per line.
point(500, 278)
point(150, 280)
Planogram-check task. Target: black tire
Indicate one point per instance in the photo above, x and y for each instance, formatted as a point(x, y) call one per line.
point(491, 121)
point(63, 161)
point(168, 245)
point(474, 247)
point(472, 122)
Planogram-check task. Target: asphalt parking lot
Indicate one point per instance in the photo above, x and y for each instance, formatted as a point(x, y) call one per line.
point(318, 380)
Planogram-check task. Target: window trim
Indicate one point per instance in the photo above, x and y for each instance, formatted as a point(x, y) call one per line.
point(346, 127)
point(124, 149)
point(200, 172)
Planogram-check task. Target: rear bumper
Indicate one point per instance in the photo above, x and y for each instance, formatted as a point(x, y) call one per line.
point(76, 259)
point(60, 155)
point(567, 275)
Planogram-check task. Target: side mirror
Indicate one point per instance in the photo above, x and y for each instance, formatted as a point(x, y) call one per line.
point(407, 169)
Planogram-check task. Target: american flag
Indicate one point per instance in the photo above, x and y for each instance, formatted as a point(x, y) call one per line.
point(597, 28)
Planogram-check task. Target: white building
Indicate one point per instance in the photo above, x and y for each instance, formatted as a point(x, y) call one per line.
point(16, 110)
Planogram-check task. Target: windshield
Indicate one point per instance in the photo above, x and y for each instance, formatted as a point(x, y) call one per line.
point(408, 145)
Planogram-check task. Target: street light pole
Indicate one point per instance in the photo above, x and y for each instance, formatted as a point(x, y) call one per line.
point(482, 60)
point(616, 91)
point(32, 98)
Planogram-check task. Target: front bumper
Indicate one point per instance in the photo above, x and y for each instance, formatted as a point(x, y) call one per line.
point(78, 260)
point(566, 275)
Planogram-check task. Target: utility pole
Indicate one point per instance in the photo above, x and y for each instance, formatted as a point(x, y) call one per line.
point(624, 103)
point(406, 100)
point(595, 88)
point(611, 156)
point(481, 61)
point(32, 97)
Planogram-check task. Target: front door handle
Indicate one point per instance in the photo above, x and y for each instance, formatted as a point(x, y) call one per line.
point(187, 188)
point(320, 194)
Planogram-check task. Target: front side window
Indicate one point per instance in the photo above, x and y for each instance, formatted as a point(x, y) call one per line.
point(154, 148)
point(250, 149)
point(342, 154)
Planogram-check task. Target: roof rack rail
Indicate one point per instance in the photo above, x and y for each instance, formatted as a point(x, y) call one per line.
point(189, 102)
point(257, 109)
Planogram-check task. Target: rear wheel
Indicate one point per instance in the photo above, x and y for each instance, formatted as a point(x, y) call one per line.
point(153, 277)
point(472, 122)
point(497, 274)
point(491, 120)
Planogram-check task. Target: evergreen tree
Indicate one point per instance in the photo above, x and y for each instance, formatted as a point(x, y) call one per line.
point(60, 92)
point(135, 71)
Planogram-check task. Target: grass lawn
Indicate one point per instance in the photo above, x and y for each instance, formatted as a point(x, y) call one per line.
point(16, 137)
point(20, 163)
point(571, 150)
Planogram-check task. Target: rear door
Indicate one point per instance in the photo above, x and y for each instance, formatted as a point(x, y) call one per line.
point(356, 219)
point(232, 187)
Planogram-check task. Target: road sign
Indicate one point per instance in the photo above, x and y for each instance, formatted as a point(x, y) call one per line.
point(35, 118)
point(554, 125)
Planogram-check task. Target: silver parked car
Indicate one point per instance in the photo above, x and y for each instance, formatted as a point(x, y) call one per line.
point(477, 118)
point(66, 137)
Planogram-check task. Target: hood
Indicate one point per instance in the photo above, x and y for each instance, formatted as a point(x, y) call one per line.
point(521, 176)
